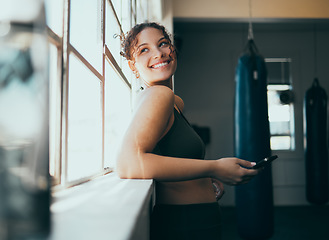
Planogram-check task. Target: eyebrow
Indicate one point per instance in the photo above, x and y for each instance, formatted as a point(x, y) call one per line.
point(143, 44)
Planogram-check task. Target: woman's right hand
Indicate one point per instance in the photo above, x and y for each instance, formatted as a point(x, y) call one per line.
point(233, 171)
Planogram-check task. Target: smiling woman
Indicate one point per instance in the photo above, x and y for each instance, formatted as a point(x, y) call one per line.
point(148, 51)
point(153, 57)
point(160, 144)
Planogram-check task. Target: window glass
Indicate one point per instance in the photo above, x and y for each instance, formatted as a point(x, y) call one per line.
point(280, 104)
point(280, 118)
point(54, 108)
point(281, 143)
point(117, 4)
point(133, 12)
point(141, 11)
point(278, 70)
point(125, 18)
point(54, 15)
point(117, 113)
point(84, 133)
point(127, 71)
point(84, 144)
point(113, 32)
point(86, 30)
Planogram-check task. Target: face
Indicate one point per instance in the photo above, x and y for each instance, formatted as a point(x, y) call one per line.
point(153, 58)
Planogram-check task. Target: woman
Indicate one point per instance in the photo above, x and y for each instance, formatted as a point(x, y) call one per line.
point(160, 144)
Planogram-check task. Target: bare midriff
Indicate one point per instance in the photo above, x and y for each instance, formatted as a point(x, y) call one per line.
point(185, 192)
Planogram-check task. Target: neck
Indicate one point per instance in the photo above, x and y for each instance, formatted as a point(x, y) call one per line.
point(167, 83)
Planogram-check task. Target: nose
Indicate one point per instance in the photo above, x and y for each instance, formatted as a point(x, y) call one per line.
point(158, 53)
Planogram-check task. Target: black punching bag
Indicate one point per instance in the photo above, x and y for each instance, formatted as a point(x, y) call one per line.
point(316, 148)
point(254, 201)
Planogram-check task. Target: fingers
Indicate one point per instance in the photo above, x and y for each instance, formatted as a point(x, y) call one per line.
point(245, 175)
point(246, 164)
point(249, 174)
point(235, 171)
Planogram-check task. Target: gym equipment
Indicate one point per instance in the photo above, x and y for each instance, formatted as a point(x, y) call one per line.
point(316, 145)
point(254, 201)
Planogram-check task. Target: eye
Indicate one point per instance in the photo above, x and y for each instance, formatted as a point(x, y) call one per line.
point(164, 44)
point(143, 50)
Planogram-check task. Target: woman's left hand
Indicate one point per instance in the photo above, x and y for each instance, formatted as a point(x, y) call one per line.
point(218, 188)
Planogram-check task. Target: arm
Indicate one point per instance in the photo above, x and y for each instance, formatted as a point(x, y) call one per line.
point(149, 123)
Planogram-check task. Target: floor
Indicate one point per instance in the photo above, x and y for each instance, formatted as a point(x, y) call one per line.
point(302, 222)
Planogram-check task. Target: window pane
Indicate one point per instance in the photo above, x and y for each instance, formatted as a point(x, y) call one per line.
point(86, 30)
point(113, 32)
point(280, 143)
point(280, 128)
point(54, 15)
point(117, 8)
point(279, 72)
point(141, 11)
point(133, 12)
point(125, 19)
point(117, 113)
point(54, 108)
point(278, 113)
point(280, 118)
point(126, 70)
point(84, 149)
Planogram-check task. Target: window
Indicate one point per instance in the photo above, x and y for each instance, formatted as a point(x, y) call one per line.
point(280, 103)
point(90, 84)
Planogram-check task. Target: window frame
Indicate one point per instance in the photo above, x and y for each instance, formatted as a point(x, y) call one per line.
point(64, 48)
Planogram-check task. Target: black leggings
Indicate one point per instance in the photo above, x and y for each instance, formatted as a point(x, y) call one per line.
point(193, 222)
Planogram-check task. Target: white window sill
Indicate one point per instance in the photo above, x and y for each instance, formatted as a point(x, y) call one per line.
point(105, 208)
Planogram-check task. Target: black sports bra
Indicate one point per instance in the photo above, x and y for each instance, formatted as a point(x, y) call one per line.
point(181, 140)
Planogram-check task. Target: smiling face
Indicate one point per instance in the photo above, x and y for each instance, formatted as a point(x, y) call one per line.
point(153, 58)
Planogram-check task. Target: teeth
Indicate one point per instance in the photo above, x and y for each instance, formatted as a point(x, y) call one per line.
point(160, 65)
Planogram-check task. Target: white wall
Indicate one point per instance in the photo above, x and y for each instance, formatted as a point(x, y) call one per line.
point(205, 81)
point(259, 8)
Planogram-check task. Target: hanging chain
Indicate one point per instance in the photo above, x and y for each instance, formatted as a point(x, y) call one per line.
point(315, 50)
point(250, 31)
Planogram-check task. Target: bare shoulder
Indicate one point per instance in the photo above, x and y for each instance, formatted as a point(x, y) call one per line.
point(179, 102)
point(152, 117)
point(156, 96)
point(162, 90)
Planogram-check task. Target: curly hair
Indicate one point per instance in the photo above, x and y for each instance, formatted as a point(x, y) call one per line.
point(129, 41)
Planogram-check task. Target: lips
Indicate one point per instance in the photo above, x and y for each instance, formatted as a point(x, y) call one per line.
point(159, 65)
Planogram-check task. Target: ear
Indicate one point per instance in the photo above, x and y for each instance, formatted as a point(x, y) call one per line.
point(133, 68)
point(132, 65)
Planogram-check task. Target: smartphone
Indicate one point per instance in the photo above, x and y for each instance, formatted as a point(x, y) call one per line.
point(265, 161)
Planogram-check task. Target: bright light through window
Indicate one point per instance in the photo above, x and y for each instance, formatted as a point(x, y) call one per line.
point(84, 122)
point(90, 84)
point(280, 104)
point(85, 30)
point(117, 113)
point(54, 15)
point(54, 110)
